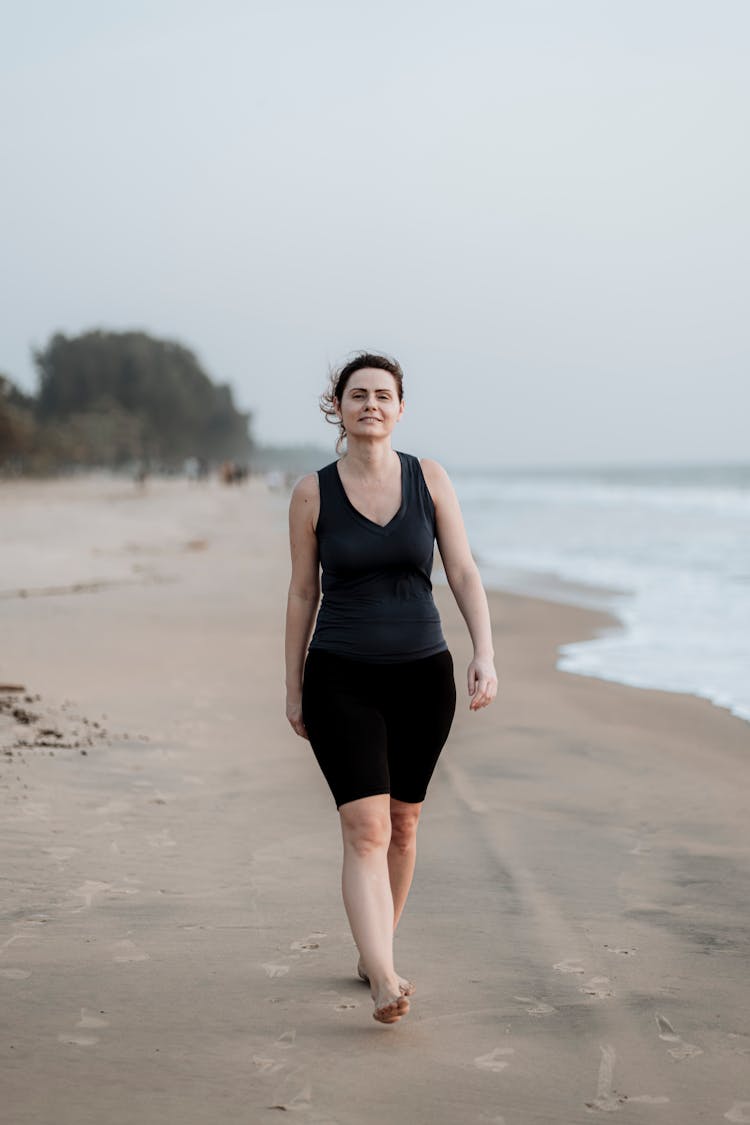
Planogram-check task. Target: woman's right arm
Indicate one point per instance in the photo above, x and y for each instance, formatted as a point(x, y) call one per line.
point(304, 591)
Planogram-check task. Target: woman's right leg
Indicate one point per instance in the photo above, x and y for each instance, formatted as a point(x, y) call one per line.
point(365, 882)
point(341, 710)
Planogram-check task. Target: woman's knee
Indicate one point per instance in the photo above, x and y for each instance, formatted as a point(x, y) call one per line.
point(365, 825)
point(404, 821)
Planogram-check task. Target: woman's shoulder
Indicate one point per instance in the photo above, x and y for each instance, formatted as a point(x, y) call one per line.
point(306, 487)
point(305, 498)
point(433, 473)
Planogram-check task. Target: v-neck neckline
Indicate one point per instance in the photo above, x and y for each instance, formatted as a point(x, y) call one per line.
point(380, 528)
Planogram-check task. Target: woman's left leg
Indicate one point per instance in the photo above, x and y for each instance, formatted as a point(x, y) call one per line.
point(366, 831)
point(416, 735)
point(401, 856)
point(402, 852)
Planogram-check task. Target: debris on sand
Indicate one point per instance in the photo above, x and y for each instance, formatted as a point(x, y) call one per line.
point(47, 726)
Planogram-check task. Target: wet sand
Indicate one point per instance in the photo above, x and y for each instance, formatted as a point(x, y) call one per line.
point(172, 943)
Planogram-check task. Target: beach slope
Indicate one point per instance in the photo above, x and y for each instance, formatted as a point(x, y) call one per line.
point(173, 947)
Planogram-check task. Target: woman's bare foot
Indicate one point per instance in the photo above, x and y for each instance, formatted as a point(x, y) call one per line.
point(389, 1007)
point(406, 987)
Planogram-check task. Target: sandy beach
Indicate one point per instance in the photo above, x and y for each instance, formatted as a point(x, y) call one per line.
point(173, 945)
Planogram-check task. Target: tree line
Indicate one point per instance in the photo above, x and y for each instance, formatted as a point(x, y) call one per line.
point(113, 399)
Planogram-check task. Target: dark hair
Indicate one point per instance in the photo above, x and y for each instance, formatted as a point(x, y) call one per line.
point(338, 378)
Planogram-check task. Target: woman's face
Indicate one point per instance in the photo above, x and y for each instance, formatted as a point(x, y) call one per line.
point(370, 406)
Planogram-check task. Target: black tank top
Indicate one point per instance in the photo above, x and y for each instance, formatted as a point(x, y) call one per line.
point(377, 595)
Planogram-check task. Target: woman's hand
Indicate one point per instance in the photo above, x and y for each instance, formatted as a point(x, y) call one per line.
point(482, 681)
point(294, 715)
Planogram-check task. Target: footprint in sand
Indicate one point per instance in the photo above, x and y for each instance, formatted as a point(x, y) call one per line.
point(124, 891)
point(79, 1040)
point(127, 950)
point(10, 940)
point(273, 970)
point(599, 987)
point(87, 891)
point(161, 839)
point(739, 1114)
point(495, 1060)
point(266, 1065)
point(572, 965)
point(59, 854)
point(300, 1100)
point(681, 1049)
point(685, 1051)
point(538, 1007)
point(312, 941)
point(605, 1099)
point(89, 1019)
point(155, 797)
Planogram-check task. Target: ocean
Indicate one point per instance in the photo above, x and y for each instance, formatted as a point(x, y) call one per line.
point(665, 549)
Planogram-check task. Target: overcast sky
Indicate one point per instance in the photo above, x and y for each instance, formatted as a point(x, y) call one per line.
point(539, 207)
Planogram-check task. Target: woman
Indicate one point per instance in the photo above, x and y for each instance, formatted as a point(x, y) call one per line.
point(374, 693)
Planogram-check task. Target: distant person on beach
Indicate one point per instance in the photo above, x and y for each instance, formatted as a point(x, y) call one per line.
point(374, 691)
point(140, 475)
point(232, 473)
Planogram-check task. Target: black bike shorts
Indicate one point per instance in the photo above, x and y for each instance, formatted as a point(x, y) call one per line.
point(377, 728)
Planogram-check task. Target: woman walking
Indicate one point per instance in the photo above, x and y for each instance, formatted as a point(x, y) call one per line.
point(373, 690)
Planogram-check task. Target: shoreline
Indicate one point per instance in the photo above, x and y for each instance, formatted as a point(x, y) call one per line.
point(587, 598)
point(672, 546)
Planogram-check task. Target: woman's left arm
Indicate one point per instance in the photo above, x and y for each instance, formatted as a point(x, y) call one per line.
point(465, 583)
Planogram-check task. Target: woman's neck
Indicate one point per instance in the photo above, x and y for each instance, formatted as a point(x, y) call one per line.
point(368, 459)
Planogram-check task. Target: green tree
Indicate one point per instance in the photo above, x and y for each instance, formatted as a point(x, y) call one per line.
point(16, 421)
point(126, 395)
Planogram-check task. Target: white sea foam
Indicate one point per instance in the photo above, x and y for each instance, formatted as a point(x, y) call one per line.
point(667, 550)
